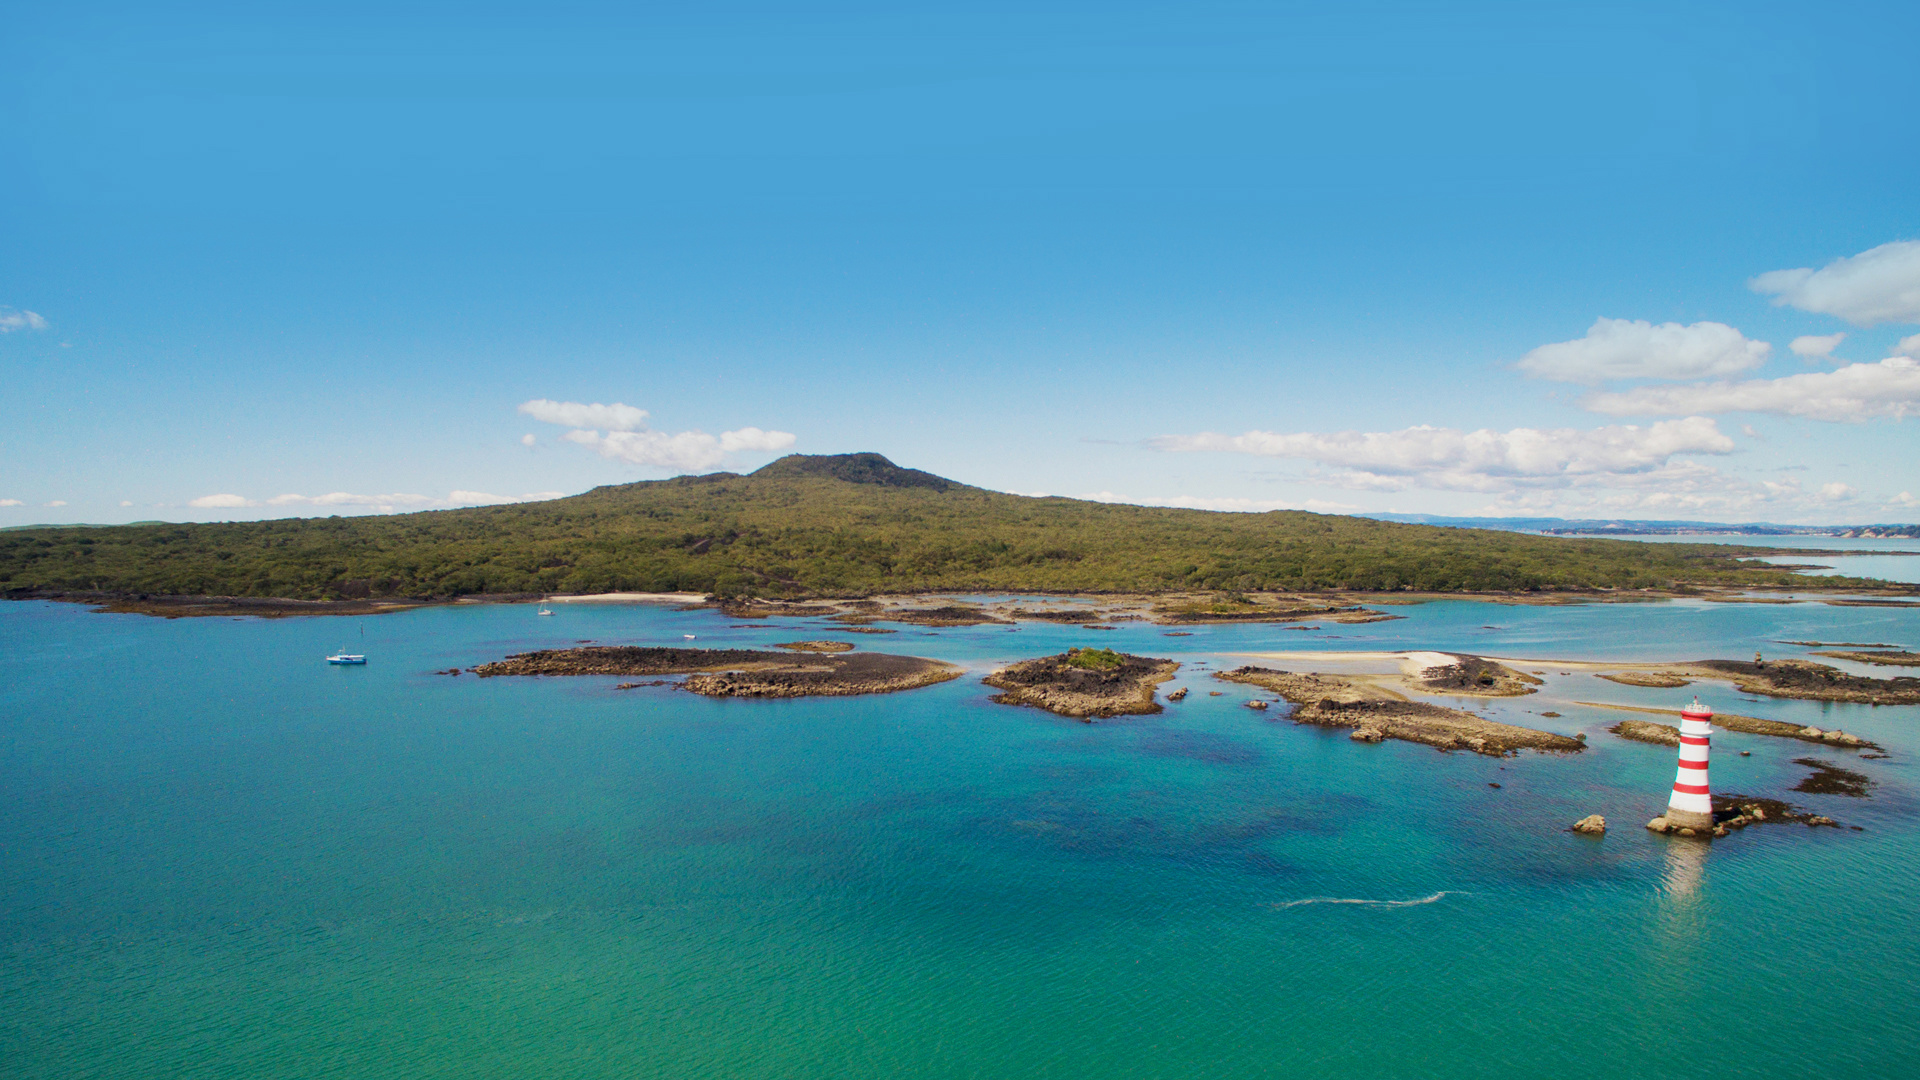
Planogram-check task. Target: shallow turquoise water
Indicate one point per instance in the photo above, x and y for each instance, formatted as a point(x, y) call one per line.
point(221, 858)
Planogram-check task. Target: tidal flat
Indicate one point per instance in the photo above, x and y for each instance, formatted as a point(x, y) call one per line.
point(211, 830)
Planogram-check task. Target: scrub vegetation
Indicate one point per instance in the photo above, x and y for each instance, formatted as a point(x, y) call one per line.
point(845, 525)
point(1094, 659)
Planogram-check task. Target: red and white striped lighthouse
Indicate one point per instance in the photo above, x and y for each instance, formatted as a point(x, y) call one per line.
point(1691, 806)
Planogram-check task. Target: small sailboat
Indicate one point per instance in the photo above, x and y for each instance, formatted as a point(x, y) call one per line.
point(689, 637)
point(342, 656)
point(545, 610)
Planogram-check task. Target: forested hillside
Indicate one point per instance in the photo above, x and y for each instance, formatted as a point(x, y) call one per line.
point(841, 525)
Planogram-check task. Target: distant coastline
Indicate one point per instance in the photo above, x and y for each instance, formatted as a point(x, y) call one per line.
point(1092, 610)
point(851, 526)
point(1553, 526)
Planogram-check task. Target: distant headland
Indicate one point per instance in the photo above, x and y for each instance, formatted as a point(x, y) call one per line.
point(852, 526)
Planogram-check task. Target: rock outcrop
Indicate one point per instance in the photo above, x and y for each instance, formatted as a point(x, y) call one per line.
point(816, 646)
point(1374, 715)
point(1084, 683)
point(1735, 812)
point(1807, 681)
point(1667, 735)
point(1663, 679)
point(1476, 676)
point(737, 672)
point(1889, 658)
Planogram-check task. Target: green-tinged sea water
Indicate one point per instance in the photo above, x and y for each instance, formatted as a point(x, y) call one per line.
point(220, 857)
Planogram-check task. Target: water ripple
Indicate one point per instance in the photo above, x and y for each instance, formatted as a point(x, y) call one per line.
point(1435, 898)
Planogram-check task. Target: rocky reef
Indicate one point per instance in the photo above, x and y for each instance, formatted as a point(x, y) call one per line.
point(1883, 657)
point(942, 615)
point(1476, 676)
point(257, 607)
point(1275, 609)
point(1069, 616)
point(1373, 715)
point(1668, 735)
point(1735, 812)
point(1084, 683)
point(737, 672)
point(1830, 779)
point(1808, 681)
point(1802, 680)
point(1662, 679)
point(761, 609)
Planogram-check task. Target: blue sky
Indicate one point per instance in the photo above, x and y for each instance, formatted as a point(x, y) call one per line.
point(1375, 256)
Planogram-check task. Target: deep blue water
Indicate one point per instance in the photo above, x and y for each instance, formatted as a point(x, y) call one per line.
point(220, 857)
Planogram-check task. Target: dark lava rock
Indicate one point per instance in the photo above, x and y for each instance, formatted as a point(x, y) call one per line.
point(1831, 779)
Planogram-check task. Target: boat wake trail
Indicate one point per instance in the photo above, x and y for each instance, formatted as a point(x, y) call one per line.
point(1365, 903)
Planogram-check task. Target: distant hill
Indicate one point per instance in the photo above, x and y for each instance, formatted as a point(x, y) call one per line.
point(839, 525)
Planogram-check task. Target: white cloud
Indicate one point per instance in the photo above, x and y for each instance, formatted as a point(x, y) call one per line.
point(1854, 393)
point(686, 450)
point(1838, 492)
point(11, 320)
point(528, 439)
point(126, 502)
point(1605, 471)
point(1685, 489)
point(573, 414)
point(1232, 505)
point(481, 498)
point(628, 439)
point(1876, 286)
point(1624, 349)
point(1816, 347)
point(1908, 346)
point(752, 438)
point(1904, 500)
point(58, 502)
point(1473, 460)
point(11, 502)
point(385, 504)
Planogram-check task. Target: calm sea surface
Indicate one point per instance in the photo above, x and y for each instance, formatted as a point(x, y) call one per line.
point(220, 857)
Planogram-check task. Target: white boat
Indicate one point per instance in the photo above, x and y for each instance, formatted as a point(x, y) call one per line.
point(544, 610)
point(689, 637)
point(345, 657)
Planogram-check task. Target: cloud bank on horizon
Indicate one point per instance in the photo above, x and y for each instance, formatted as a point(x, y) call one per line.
point(1627, 468)
point(1853, 394)
point(1473, 460)
point(382, 504)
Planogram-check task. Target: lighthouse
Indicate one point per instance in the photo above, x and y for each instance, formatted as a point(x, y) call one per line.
point(1691, 806)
